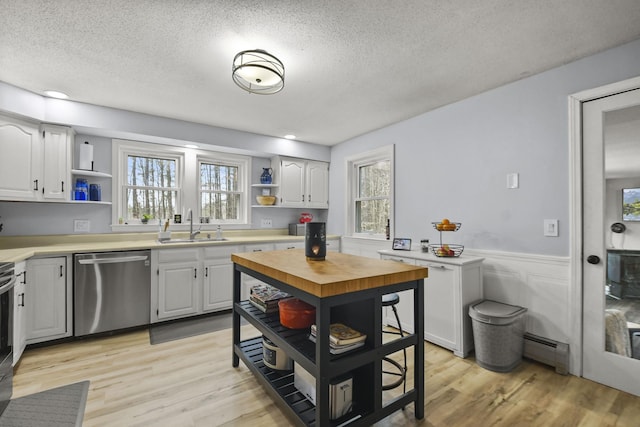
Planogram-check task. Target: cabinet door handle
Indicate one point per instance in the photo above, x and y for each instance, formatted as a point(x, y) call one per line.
point(206, 272)
point(35, 183)
point(61, 272)
point(440, 266)
point(195, 273)
point(62, 185)
point(22, 300)
point(24, 277)
point(257, 250)
point(309, 198)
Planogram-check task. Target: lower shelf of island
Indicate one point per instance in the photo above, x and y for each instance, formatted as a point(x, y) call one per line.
point(279, 384)
point(296, 344)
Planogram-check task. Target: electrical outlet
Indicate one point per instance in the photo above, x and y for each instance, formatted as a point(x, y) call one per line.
point(81, 225)
point(266, 223)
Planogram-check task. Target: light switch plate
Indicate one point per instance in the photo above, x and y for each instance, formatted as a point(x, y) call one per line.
point(512, 180)
point(81, 225)
point(551, 227)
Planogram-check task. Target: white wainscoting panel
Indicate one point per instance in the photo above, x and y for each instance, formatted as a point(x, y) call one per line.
point(538, 282)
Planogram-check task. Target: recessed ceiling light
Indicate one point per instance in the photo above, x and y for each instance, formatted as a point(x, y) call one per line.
point(191, 146)
point(56, 94)
point(290, 136)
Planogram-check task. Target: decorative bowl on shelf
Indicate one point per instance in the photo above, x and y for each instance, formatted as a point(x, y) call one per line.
point(446, 251)
point(266, 200)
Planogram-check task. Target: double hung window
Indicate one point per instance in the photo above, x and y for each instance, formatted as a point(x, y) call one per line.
point(222, 192)
point(371, 193)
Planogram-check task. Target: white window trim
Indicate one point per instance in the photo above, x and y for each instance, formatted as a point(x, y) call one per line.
point(352, 163)
point(120, 152)
point(187, 174)
point(244, 164)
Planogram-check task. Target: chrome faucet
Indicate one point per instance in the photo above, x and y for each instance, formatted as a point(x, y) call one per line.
point(192, 234)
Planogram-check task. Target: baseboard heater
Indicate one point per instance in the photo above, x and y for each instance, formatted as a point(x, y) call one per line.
point(547, 351)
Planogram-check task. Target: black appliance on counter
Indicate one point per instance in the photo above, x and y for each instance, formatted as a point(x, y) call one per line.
point(7, 281)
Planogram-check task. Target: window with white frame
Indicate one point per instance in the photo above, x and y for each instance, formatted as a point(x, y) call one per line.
point(150, 182)
point(371, 193)
point(160, 181)
point(222, 189)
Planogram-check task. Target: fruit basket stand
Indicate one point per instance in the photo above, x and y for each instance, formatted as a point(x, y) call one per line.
point(446, 250)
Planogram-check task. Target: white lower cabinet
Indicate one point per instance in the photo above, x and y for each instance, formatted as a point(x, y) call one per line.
point(218, 278)
point(191, 281)
point(19, 312)
point(47, 299)
point(451, 286)
point(177, 283)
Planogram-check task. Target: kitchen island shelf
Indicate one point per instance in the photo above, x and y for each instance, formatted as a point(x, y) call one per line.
point(304, 350)
point(279, 384)
point(346, 289)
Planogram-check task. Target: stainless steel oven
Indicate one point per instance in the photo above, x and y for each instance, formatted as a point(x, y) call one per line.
point(7, 281)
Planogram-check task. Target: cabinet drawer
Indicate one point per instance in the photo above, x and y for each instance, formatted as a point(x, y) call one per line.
point(177, 255)
point(221, 251)
point(259, 247)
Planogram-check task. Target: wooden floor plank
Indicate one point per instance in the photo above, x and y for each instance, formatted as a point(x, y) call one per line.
point(191, 382)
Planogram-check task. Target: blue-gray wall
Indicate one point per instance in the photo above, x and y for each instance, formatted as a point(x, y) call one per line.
point(453, 162)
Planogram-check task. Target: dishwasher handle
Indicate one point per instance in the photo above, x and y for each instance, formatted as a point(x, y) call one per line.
point(113, 260)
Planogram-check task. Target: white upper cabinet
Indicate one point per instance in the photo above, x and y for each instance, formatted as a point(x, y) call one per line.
point(57, 161)
point(20, 160)
point(302, 183)
point(34, 163)
point(317, 184)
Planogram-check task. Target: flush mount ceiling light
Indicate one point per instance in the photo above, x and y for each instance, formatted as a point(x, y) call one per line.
point(257, 71)
point(56, 94)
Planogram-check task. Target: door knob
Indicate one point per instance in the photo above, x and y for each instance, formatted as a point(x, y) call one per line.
point(593, 259)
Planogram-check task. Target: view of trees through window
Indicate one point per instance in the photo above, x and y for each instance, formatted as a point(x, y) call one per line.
point(151, 188)
point(220, 194)
point(373, 197)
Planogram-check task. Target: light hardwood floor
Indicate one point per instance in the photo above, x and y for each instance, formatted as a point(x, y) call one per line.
point(190, 382)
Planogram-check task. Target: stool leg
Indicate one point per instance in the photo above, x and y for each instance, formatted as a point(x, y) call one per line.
point(404, 350)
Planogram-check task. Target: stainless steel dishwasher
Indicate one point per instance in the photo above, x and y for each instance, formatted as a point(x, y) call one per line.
point(112, 290)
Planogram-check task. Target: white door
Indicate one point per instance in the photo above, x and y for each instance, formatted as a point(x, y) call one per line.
point(602, 206)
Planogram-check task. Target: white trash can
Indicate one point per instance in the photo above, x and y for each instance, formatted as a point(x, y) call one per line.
point(498, 334)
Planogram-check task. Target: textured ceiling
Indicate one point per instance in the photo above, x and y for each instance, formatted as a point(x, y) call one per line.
point(351, 66)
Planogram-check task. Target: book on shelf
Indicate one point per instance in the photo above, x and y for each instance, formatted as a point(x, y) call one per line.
point(267, 294)
point(341, 334)
point(265, 308)
point(339, 349)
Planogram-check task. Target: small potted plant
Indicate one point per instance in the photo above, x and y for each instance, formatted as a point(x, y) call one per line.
point(145, 218)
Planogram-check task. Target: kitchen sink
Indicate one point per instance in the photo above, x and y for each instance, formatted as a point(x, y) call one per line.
point(212, 239)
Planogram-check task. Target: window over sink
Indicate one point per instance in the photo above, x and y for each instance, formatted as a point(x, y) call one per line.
point(154, 182)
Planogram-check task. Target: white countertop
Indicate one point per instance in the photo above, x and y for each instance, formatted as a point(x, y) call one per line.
point(20, 248)
point(424, 256)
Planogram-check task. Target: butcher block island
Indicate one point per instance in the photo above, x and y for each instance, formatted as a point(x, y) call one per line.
point(343, 289)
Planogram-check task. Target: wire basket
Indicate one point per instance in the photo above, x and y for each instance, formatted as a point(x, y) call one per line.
point(446, 251)
point(452, 226)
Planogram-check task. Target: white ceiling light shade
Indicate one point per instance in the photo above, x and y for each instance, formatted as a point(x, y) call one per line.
point(290, 136)
point(56, 94)
point(257, 71)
